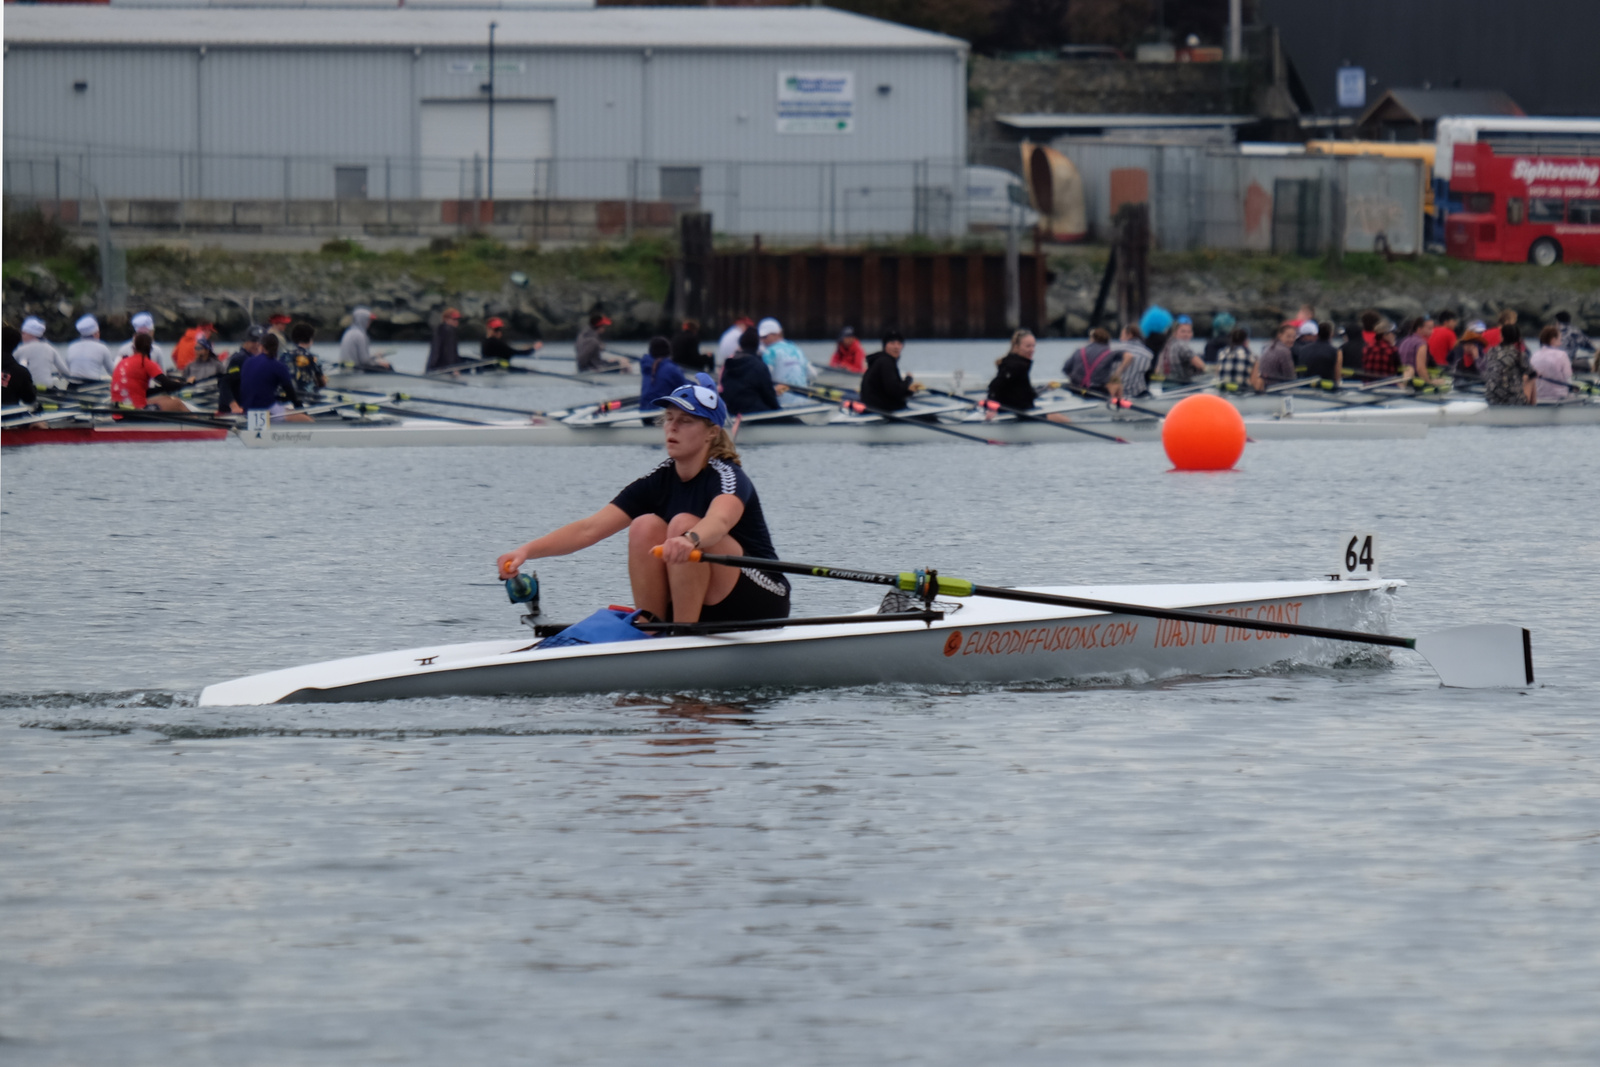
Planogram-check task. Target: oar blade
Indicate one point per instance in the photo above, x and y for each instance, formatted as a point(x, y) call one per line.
point(1485, 656)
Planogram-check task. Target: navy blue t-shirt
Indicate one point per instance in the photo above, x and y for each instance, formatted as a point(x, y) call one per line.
point(663, 493)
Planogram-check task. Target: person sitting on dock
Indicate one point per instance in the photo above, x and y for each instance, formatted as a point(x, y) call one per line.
point(355, 347)
point(303, 363)
point(444, 351)
point(789, 365)
point(1552, 367)
point(1090, 367)
point(88, 359)
point(659, 373)
point(883, 388)
point(130, 382)
point(747, 387)
point(848, 355)
point(145, 323)
point(1012, 387)
point(496, 347)
point(1507, 377)
point(1236, 365)
point(1276, 363)
point(263, 377)
point(698, 499)
point(1179, 364)
point(590, 349)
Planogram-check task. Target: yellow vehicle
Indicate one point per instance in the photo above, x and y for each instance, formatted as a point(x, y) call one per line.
point(1422, 150)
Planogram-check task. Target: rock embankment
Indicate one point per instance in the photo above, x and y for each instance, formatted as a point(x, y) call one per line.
point(1261, 291)
point(182, 290)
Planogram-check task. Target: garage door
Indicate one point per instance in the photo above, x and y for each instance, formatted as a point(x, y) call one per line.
point(455, 148)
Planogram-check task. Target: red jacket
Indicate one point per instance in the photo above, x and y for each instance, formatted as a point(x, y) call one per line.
point(849, 356)
point(1440, 342)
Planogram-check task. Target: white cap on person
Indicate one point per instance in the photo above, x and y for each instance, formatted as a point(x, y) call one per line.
point(87, 326)
point(32, 327)
point(1308, 327)
point(768, 327)
point(144, 323)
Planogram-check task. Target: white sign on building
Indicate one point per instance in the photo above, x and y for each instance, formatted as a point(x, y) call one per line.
point(1351, 84)
point(816, 101)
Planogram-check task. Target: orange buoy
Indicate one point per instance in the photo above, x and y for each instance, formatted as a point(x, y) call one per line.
point(1203, 433)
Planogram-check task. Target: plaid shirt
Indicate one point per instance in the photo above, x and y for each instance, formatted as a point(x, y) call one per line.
point(1234, 365)
point(1380, 360)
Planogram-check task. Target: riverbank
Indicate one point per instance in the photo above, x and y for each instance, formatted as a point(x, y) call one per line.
point(549, 293)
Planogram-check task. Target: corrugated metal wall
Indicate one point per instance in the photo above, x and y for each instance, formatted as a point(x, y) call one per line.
point(1221, 198)
point(273, 123)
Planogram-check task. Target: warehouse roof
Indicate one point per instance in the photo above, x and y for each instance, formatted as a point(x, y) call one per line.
point(786, 28)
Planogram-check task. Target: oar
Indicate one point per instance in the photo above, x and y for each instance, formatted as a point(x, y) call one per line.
point(858, 406)
point(434, 377)
point(1088, 394)
point(1030, 416)
point(781, 624)
point(1482, 656)
point(399, 397)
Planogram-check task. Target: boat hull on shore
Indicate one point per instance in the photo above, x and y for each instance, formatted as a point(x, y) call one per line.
point(980, 641)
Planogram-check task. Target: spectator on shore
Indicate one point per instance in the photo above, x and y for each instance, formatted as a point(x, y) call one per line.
point(44, 363)
point(88, 359)
point(1276, 363)
point(1321, 358)
point(1381, 358)
point(1552, 366)
point(1090, 367)
point(746, 383)
point(145, 323)
point(444, 352)
point(1575, 342)
point(1222, 325)
point(1179, 364)
point(1131, 379)
point(1236, 364)
point(1507, 376)
point(355, 347)
point(848, 355)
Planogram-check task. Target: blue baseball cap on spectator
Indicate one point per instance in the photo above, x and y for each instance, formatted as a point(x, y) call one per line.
point(1156, 320)
point(699, 399)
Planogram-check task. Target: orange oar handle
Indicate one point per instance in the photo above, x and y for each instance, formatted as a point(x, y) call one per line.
point(694, 556)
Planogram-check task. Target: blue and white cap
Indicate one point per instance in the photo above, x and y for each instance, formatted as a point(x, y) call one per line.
point(32, 327)
point(144, 322)
point(700, 399)
point(87, 326)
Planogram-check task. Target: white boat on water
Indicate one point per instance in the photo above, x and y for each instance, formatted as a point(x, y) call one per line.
point(979, 640)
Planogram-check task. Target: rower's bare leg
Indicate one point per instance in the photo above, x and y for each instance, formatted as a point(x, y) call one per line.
point(694, 585)
point(646, 574)
point(169, 403)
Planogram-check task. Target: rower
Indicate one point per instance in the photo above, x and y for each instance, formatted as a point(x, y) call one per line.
point(130, 382)
point(590, 348)
point(444, 352)
point(1275, 365)
point(146, 324)
point(789, 365)
point(39, 355)
point(1131, 379)
point(87, 357)
point(260, 380)
point(747, 386)
point(1011, 386)
point(229, 388)
point(204, 366)
point(16, 384)
point(303, 363)
point(699, 498)
point(660, 373)
point(882, 386)
point(1090, 367)
point(1179, 364)
point(355, 347)
point(496, 347)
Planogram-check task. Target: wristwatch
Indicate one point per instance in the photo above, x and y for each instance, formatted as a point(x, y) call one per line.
point(693, 537)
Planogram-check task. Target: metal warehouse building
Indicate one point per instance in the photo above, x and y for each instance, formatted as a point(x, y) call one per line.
point(778, 120)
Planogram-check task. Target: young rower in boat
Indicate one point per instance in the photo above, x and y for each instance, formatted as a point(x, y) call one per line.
point(698, 498)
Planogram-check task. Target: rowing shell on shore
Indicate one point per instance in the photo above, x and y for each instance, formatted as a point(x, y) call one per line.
point(981, 640)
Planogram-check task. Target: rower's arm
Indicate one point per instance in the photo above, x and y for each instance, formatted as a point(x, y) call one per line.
point(721, 516)
point(572, 537)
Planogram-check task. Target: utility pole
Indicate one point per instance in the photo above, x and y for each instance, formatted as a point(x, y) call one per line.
point(492, 26)
point(1235, 31)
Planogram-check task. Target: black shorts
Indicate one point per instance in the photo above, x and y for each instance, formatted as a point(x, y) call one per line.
point(752, 597)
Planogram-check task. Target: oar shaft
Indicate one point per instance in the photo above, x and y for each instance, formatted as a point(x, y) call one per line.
point(893, 417)
point(1031, 416)
point(907, 581)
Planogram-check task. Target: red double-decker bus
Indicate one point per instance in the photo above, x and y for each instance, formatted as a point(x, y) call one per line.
point(1528, 200)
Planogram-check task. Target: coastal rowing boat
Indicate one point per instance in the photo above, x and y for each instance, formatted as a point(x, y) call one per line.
point(978, 641)
point(104, 432)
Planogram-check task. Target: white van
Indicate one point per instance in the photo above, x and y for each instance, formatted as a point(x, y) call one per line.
point(996, 196)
